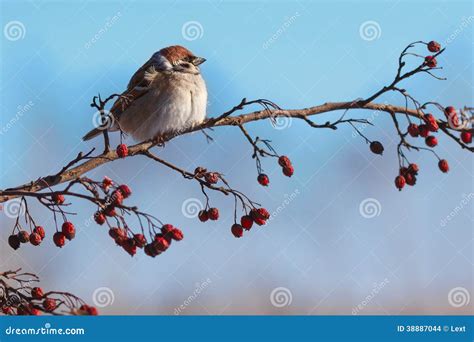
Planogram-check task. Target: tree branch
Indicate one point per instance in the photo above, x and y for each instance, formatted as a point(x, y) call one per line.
point(138, 149)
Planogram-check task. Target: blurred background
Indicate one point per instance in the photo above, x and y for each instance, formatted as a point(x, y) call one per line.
point(341, 240)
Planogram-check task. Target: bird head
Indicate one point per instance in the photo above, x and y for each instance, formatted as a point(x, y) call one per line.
point(179, 59)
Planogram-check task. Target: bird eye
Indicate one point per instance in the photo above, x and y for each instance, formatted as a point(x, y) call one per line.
point(186, 65)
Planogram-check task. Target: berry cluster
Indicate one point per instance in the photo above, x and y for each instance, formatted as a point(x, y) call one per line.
point(26, 300)
point(426, 129)
point(259, 216)
point(208, 214)
point(287, 169)
point(430, 61)
point(35, 238)
point(159, 242)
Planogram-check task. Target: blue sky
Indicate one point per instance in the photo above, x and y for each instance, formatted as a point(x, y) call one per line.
point(297, 54)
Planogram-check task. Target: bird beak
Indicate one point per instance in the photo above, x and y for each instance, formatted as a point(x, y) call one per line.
point(198, 60)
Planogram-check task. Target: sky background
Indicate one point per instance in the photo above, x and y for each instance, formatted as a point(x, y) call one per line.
point(319, 254)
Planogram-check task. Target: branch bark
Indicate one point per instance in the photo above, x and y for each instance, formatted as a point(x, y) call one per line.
point(139, 149)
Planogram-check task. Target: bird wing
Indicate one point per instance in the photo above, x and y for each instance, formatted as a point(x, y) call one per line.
point(138, 86)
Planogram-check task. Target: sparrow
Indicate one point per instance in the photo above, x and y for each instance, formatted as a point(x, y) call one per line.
point(167, 94)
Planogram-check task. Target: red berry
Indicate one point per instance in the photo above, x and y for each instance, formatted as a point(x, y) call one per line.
point(237, 230)
point(246, 222)
point(22, 310)
point(160, 243)
point(376, 147)
point(150, 250)
point(288, 171)
point(431, 141)
point(203, 216)
point(117, 233)
point(176, 234)
point(68, 230)
point(35, 312)
point(99, 218)
point(410, 179)
point(107, 182)
point(213, 214)
point(431, 123)
point(39, 230)
point(434, 46)
point(167, 228)
point(59, 239)
point(423, 131)
point(449, 110)
point(431, 61)
point(259, 216)
point(263, 179)
point(110, 211)
point(443, 165)
point(452, 116)
point(466, 137)
point(24, 236)
point(122, 150)
point(140, 240)
point(413, 168)
point(14, 241)
point(49, 304)
point(413, 130)
point(116, 198)
point(58, 198)
point(37, 292)
point(400, 182)
point(125, 190)
point(212, 177)
point(7, 310)
point(129, 246)
point(263, 213)
point(284, 161)
point(35, 239)
point(90, 310)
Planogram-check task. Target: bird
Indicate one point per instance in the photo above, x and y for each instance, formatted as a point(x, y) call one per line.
point(167, 94)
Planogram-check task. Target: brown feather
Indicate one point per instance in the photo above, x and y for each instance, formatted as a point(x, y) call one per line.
point(175, 53)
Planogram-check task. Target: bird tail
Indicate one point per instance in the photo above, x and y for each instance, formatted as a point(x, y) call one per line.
point(92, 134)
